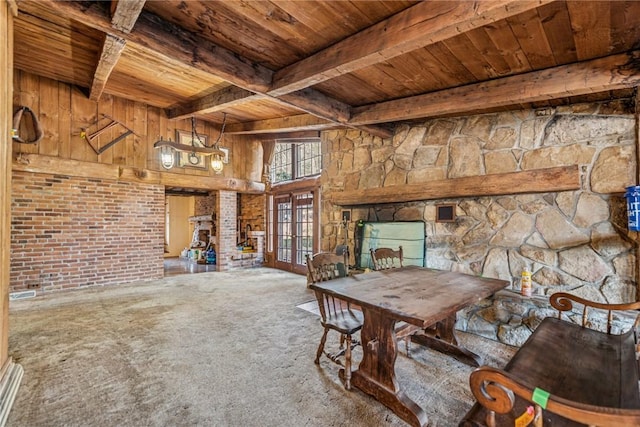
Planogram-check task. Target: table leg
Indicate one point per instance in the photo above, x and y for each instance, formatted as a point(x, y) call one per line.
point(442, 337)
point(376, 373)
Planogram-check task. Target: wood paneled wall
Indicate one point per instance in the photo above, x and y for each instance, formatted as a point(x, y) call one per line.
point(65, 113)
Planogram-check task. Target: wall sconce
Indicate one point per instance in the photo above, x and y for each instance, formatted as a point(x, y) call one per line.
point(169, 148)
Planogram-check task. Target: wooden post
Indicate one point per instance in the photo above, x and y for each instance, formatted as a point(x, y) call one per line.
point(10, 373)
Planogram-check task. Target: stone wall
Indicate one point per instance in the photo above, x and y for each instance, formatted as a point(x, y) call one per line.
point(574, 241)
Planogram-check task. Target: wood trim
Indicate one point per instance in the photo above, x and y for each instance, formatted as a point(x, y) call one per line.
point(299, 185)
point(56, 166)
point(10, 380)
point(534, 181)
point(6, 114)
point(13, 7)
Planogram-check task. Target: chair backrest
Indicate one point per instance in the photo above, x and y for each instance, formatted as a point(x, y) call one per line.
point(326, 266)
point(385, 258)
point(334, 311)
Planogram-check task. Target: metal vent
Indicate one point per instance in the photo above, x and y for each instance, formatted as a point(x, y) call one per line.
point(21, 295)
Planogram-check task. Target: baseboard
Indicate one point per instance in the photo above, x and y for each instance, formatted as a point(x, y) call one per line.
point(9, 385)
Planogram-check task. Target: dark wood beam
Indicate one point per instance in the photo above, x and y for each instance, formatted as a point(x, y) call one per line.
point(172, 43)
point(533, 181)
point(228, 97)
point(424, 24)
point(299, 123)
point(111, 50)
point(299, 135)
point(124, 14)
point(180, 47)
point(280, 125)
point(580, 78)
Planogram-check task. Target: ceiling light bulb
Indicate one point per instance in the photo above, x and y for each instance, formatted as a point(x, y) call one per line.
point(167, 157)
point(216, 163)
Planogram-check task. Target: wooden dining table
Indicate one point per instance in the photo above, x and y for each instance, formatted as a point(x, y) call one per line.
point(423, 297)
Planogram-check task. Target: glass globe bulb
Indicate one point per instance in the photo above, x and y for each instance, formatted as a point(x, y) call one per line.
point(216, 163)
point(167, 157)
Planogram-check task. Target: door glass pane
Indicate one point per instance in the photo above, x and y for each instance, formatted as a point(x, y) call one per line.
point(283, 252)
point(304, 227)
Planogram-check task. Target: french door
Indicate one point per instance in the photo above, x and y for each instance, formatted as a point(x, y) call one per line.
point(294, 236)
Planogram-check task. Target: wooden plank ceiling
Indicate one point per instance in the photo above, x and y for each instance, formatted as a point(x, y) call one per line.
point(290, 66)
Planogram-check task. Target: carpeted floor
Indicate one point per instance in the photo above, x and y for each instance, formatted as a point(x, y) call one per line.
point(212, 349)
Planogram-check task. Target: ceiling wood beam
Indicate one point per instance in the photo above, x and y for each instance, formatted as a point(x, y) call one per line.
point(174, 44)
point(423, 24)
point(111, 50)
point(124, 14)
point(280, 125)
point(299, 123)
point(181, 47)
point(580, 78)
point(229, 97)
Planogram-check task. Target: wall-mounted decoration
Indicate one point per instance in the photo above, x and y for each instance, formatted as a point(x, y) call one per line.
point(446, 212)
point(191, 159)
point(110, 123)
point(225, 159)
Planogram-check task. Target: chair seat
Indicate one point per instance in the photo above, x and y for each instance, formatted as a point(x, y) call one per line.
point(344, 321)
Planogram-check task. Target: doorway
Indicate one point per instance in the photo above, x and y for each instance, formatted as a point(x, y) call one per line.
point(294, 230)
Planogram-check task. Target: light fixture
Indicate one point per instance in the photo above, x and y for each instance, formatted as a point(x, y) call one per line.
point(168, 148)
point(167, 154)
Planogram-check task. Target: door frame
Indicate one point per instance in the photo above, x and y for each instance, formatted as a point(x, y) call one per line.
point(307, 186)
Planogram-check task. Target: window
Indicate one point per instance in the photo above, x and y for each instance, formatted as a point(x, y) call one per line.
point(296, 159)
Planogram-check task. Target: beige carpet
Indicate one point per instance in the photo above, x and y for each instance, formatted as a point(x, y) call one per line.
point(210, 349)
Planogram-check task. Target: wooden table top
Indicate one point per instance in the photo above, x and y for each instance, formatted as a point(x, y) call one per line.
point(416, 295)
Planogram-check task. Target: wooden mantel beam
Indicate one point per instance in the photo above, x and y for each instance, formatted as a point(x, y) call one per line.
point(562, 178)
point(580, 78)
point(424, 24)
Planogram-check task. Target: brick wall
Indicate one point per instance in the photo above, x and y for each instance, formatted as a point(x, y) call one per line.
point(252, 211)
point(74, 232)
point(227, 217)
point(205, 205)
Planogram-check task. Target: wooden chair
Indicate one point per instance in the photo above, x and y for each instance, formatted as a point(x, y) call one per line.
point(335, 314)
point(385, 258)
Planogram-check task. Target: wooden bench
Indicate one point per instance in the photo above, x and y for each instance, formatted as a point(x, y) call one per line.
point(571, 375)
